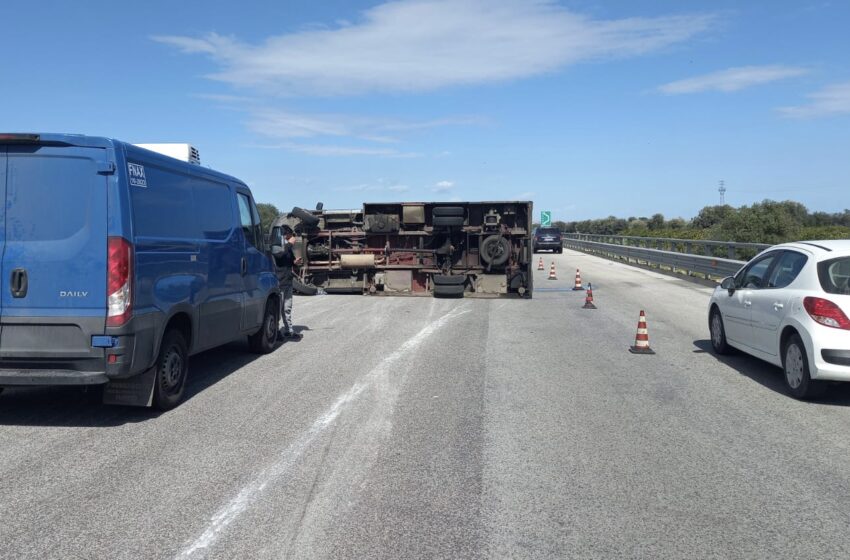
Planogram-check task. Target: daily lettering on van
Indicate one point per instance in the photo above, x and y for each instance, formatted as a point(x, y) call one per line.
point(137, 175)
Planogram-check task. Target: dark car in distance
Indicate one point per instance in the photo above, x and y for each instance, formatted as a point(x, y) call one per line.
point(548, 239)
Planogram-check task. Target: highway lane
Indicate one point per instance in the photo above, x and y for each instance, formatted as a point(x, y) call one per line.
point(422, 428)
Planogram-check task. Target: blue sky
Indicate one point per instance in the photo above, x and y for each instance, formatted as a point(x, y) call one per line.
point(587, 108)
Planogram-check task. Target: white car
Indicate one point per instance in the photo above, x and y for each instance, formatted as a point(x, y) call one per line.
point(790, 306)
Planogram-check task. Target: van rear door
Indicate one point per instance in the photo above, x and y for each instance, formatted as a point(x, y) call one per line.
point(53, 268)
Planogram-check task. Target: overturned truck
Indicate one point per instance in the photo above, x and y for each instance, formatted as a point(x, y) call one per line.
point(444, 249)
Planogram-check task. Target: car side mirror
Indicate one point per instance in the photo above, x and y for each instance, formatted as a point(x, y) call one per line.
point(728, 284)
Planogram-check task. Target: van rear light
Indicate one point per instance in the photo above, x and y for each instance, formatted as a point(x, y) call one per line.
point(826, 313)
point(119, 283)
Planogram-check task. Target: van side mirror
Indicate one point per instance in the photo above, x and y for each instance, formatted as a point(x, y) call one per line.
point(277, 251)
point(728, 283)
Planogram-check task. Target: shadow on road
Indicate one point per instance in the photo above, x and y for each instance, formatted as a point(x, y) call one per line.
point(770, 376)
point(81, 407)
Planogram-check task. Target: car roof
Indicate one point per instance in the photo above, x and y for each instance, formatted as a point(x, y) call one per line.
point(820, 247)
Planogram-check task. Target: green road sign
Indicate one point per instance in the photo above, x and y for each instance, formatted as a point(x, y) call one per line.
point(545, 218)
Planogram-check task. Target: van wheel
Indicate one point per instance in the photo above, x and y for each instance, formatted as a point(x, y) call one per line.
point(795, 364)
point(263, 341)
point(172, 365)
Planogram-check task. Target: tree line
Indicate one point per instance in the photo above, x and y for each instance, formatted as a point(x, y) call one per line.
point(768, 221)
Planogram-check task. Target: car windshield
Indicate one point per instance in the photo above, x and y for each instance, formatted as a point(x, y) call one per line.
point(834, 276)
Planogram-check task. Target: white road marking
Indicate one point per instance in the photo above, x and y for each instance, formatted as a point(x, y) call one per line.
point(239, 504)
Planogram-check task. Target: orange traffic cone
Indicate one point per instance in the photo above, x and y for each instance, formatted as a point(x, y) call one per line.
point(588, 301)
point(577, 287)
point(540, 264)
point(552, 272)
point(641, 338)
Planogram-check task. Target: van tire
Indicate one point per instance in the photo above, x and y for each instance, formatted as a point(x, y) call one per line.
point(306, 217)
point(302, 288)
point(264, 340)
point(171, 369)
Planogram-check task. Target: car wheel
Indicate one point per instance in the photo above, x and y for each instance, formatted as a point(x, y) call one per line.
point(560, 250)
point(172, 365)
point(795, 364)
point(718, 333)
point(263, 341)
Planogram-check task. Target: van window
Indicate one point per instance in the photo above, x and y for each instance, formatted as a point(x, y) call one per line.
point(249, 218)
point(42, 204)
point(165, 207)
point(214, 209)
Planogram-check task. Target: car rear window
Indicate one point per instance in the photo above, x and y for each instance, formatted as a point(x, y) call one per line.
point(834, 275)
point(548, 231)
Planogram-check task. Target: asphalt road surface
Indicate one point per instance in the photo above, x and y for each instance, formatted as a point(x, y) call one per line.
point(420, 428)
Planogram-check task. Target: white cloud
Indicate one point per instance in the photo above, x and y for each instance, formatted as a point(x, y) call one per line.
point(422, 45)
point(443, 186)
point(285, 124)
point(831, 100)
point(377, 186)
point(732, 79)
point(336, 151)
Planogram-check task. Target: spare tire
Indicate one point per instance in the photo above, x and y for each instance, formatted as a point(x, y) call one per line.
point(495, 250)
point(304, 289)
point(445, 280)
point(306, 217)
point(448, 291)
point(448, 221)
point(447, 211)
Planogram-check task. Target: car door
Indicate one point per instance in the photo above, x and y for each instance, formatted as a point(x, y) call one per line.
point(736, 306)
point(252, 261)
point(770, 303)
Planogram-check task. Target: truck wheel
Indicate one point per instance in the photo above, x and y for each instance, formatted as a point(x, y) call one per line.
point(448, 221)
point(302, 288)
point(447, 211)
point(449, 290)
point(448, 280)
point(495, 250)
point(306, 217)
point(263, 341)
point(172, 365)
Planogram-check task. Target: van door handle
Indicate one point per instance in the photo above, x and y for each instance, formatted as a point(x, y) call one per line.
point(19, 283)
point(244, 266)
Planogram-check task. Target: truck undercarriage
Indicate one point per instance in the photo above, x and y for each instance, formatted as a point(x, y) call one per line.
point(445, 249)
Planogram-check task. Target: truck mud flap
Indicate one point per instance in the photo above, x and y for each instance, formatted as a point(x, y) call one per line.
point(133, 391)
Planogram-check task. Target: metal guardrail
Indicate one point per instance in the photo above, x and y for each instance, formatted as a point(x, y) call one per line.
point(708, 265)
point(705, 247)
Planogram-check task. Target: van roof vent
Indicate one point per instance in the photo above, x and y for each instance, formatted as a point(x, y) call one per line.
point(183, 152)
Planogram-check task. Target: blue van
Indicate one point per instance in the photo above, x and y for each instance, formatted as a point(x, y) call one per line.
point(118, 263)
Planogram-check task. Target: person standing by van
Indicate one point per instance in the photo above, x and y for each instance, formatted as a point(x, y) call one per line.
point(285, 260)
